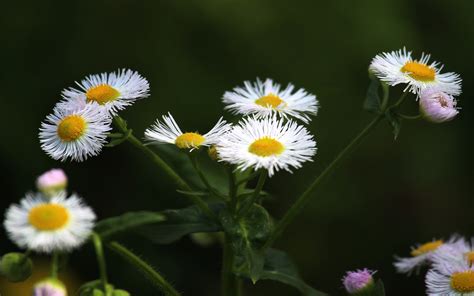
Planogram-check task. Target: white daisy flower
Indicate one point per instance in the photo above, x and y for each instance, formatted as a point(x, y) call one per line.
point(267, 143)
point(114, 91)
point(168, 132)
point(56, 224)
point(399, 67)
point(75, 134)
point(422, 255)
point(452, 273)
point(266, 98)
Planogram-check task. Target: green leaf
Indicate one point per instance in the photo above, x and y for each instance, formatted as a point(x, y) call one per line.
point(126, 222)
point(179, 223)
point(394, 121)
point(279, 267)
point(247, 235)
point(372, 101)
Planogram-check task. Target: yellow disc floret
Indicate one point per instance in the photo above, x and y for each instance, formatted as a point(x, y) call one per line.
point(270, 100)
point(102, 94)
point(266, 147)
point(425, 248)
point(48, 217)
point(463, 282)
point(469, 257)
point(71, 128)
point(189, 140)
point(419, 71)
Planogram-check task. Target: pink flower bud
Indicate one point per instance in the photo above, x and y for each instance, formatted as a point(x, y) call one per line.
point(355, 281)
point(437, 106)
point(52, 181)
point(49, 287)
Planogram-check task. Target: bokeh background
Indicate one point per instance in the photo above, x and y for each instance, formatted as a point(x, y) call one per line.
point(387, 196)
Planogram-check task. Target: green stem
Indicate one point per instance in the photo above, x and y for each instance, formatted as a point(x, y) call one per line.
point(203, 178)
point(120, 123)
point(147, 270)
point(99, 251)
point(234, 202)
point(400, 100)
point(256, 193)
point(54, 265)
point(301, 202)
point(248, 178)
point(409, 117)
point(231, 285)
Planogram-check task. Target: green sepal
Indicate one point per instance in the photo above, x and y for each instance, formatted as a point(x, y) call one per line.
point(120, 140)
point(16, 267)
point(94, 288)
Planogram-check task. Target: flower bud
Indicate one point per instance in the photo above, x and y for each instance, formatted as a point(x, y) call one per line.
point(358, 282)
point(437, 106)
point(16, 267)
point(49, 287)
point(120, 292)
point(52, 182)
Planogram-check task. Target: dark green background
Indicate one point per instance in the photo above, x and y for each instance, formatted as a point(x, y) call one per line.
point(387, 196)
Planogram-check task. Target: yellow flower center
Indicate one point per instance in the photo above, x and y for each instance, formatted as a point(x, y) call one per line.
point(48, 217)
point(189, 140)
point(102, 94)
point(419, 71)
point(266, 147)
point(71, 128)
point(425, 248)
point(463, 282)
point(270, 100)
point(470, 257)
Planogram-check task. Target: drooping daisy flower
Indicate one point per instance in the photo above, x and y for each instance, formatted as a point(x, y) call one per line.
point(49, 287)
point(52, 182)
point(75, 134)
point(114, 91)
point(452, 274)
point(58, 224)
point(269, 143)
point(168, 132)
point(266, 98)
point(421, 255)
point(358, 281)
point(437, 106)
point(399, 67)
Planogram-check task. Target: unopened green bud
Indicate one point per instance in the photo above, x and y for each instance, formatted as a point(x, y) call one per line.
point(16, 267)
point(120, 292)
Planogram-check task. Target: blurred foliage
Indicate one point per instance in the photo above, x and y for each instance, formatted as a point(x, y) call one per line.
point(386, 197)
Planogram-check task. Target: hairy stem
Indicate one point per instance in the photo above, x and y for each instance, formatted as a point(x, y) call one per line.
point(231, 285)
point(145, 268)
point(301, 202)
point(256, 193)
point(54, 265)
point(99, 251)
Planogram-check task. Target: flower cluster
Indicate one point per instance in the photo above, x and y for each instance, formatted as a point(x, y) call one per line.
point(265, 138)
point(50, 222)
point(434, 89)
point(79, 124)
point(450, 263)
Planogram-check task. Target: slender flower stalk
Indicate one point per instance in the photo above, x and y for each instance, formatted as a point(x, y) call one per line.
point(301, 202)
point(99, 251)
point(54, 265)
point(147, 270)
point(256, 193)
point(121, 125)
